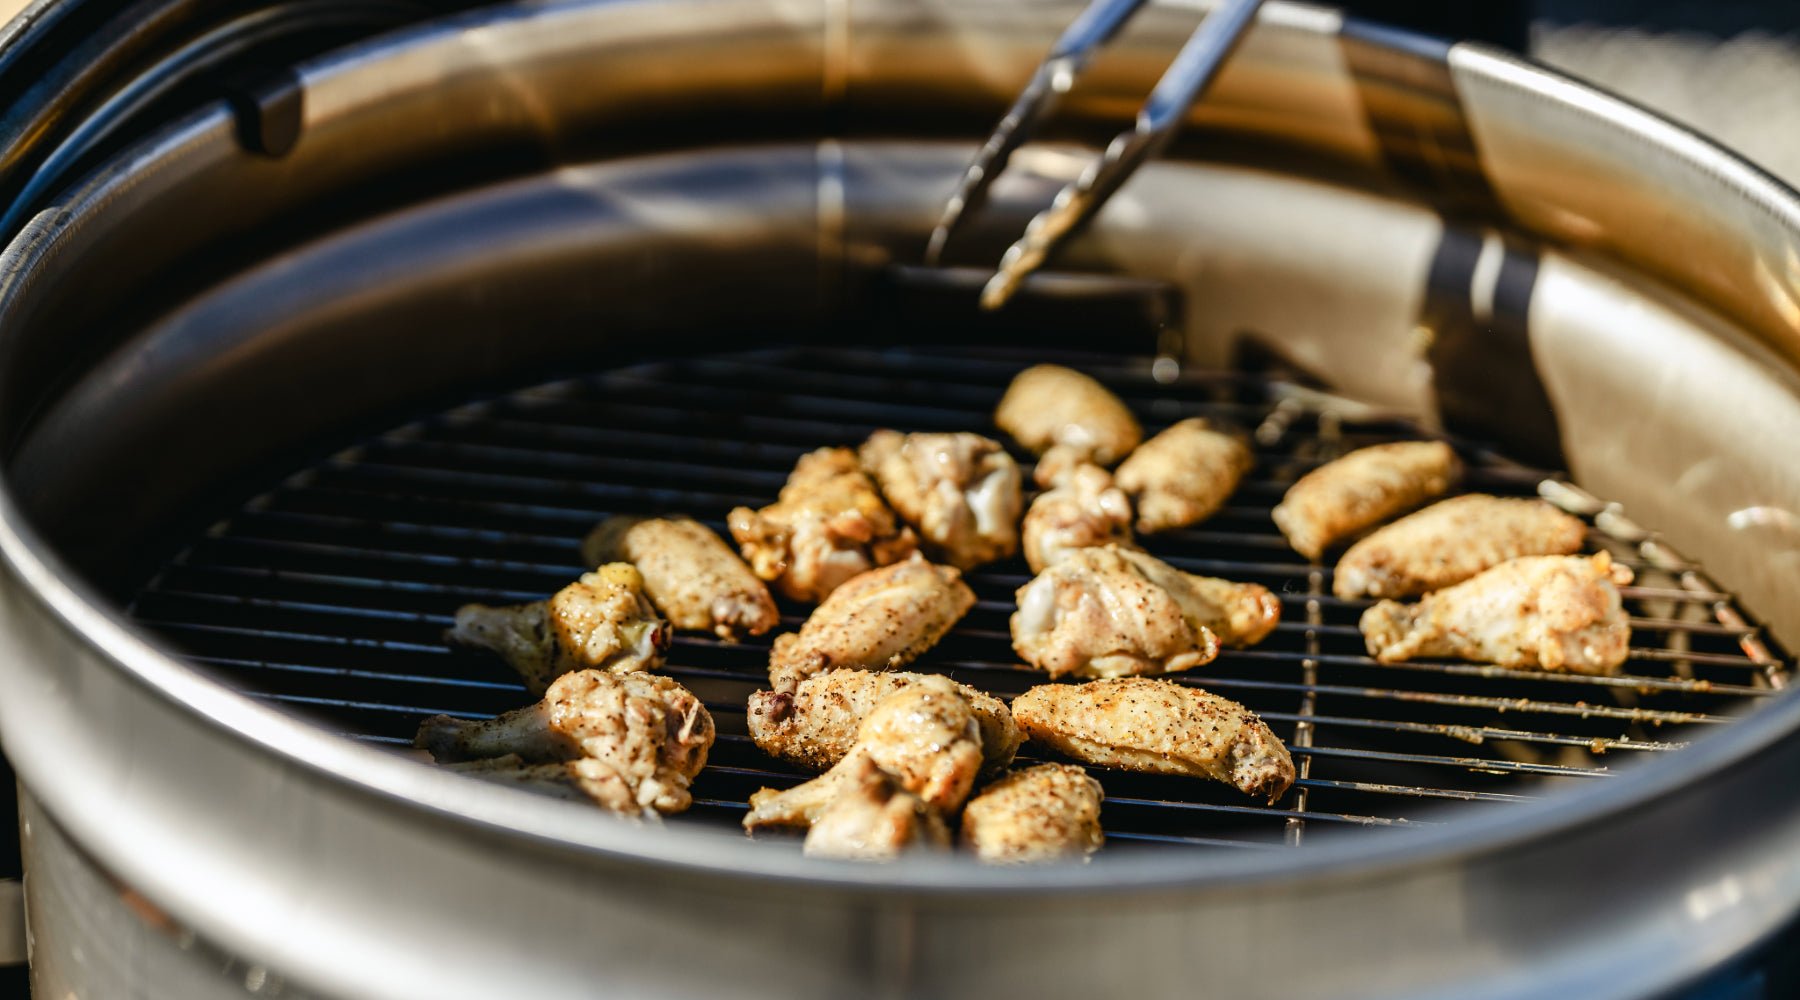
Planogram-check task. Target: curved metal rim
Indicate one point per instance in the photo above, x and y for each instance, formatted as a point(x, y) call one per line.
point(411, 787)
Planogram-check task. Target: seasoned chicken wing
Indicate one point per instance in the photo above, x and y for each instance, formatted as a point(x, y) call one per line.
point(1050, 405)
point(879, 620)
point(872, 818)
point(1451, 541)
point(1044, 813)
point(1240, 614)
point(1183, 475)
point(828, 525)
point(689, 573)
point(1159, 727)
point(1361, 490)
point(1554, 613)
point(1096, 614)
point(638, 739)
point(925, 737)
point(960, 491)
point(817, 724)
point(1084, 510)
point(601, 621)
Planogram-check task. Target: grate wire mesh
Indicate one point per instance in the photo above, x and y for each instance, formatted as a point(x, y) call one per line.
point(328, 594)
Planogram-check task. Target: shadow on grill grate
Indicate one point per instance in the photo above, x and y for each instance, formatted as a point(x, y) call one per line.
point(329, 593)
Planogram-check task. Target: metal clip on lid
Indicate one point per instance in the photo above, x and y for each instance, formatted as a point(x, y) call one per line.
point(1187, 78)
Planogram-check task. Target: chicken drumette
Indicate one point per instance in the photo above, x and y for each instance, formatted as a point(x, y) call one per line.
point(925, 738)
point(1361, 490)
point(602, 621)
point(634, 742)
point(1044, 813)
point(1451, 541)
point(1554, 613)
point(816, 725)
point(1054, 407)
point(1159, 727)
point(1082, 510)
point(1096, 614)
point(959, 491)
point(880, 620)
point(828, 525)
point(1183, 475)
point(873, 818)
point(689, 573)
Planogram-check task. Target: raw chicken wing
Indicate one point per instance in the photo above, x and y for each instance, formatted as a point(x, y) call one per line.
point(1096, 614)
point(1049, 406)
point(637, 740)
point(689, 573)
point(960, 491)
point(1158, 727)
point(816, 725)
point(1083, 510)
point(880, 620)
point(925, 738)
point(828, 525)
point(1044, 813)
point(1361, 490)
point(601, 621)
point(1183, 475)
point(1554, 613)
point(874, 819)
point(1449, 542)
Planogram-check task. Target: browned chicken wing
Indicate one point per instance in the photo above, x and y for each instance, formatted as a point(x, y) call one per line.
point(1083, 510)
point(1554, 613)
point(816, 725)
point(1183, 475)
point(602, 621)
point(689, 573)
point(1045, 813)
point(637, 740)
point(925, 737)
point(1361, 490)
point(1449, 542)
point(880, 620)
point(1240, 614)
point(1052, 406)
point(1159, 727)
point(1096, 614)
point(873, 818)
point(960, 491)
point(828, 525)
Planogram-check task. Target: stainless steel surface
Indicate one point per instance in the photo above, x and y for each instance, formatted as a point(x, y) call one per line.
point(1195, 66)
point(352, 873)
point(12, 922)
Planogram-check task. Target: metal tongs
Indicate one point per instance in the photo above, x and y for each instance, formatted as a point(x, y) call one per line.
point(1187, 78)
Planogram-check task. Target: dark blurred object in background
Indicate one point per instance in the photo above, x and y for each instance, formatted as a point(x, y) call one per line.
point(1500, 22)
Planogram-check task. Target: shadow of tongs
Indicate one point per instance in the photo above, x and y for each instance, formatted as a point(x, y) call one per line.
point(1187, 78)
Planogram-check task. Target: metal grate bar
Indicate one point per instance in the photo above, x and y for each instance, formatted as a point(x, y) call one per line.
point(329, 592)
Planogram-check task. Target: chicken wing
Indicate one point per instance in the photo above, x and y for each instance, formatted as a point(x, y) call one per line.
point(1240, 614)
point(1183, 475)
point(581, 780)
point(960, 491)
point(638, 739)
point(872, 818)
point(1361, 490)
point(1553, 613)
point(1050, 405)
point(816, 725)
point(1158, 727)
point(1096, 614)
point(1083, 510)
point(601, 621)
point(1044, 813)
point(1451, 541)
point(925, 737)
point(880, 620)
point(828, 525)
point(689, 573)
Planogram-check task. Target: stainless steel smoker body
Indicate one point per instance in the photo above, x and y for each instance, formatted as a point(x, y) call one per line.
point(483, 201)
